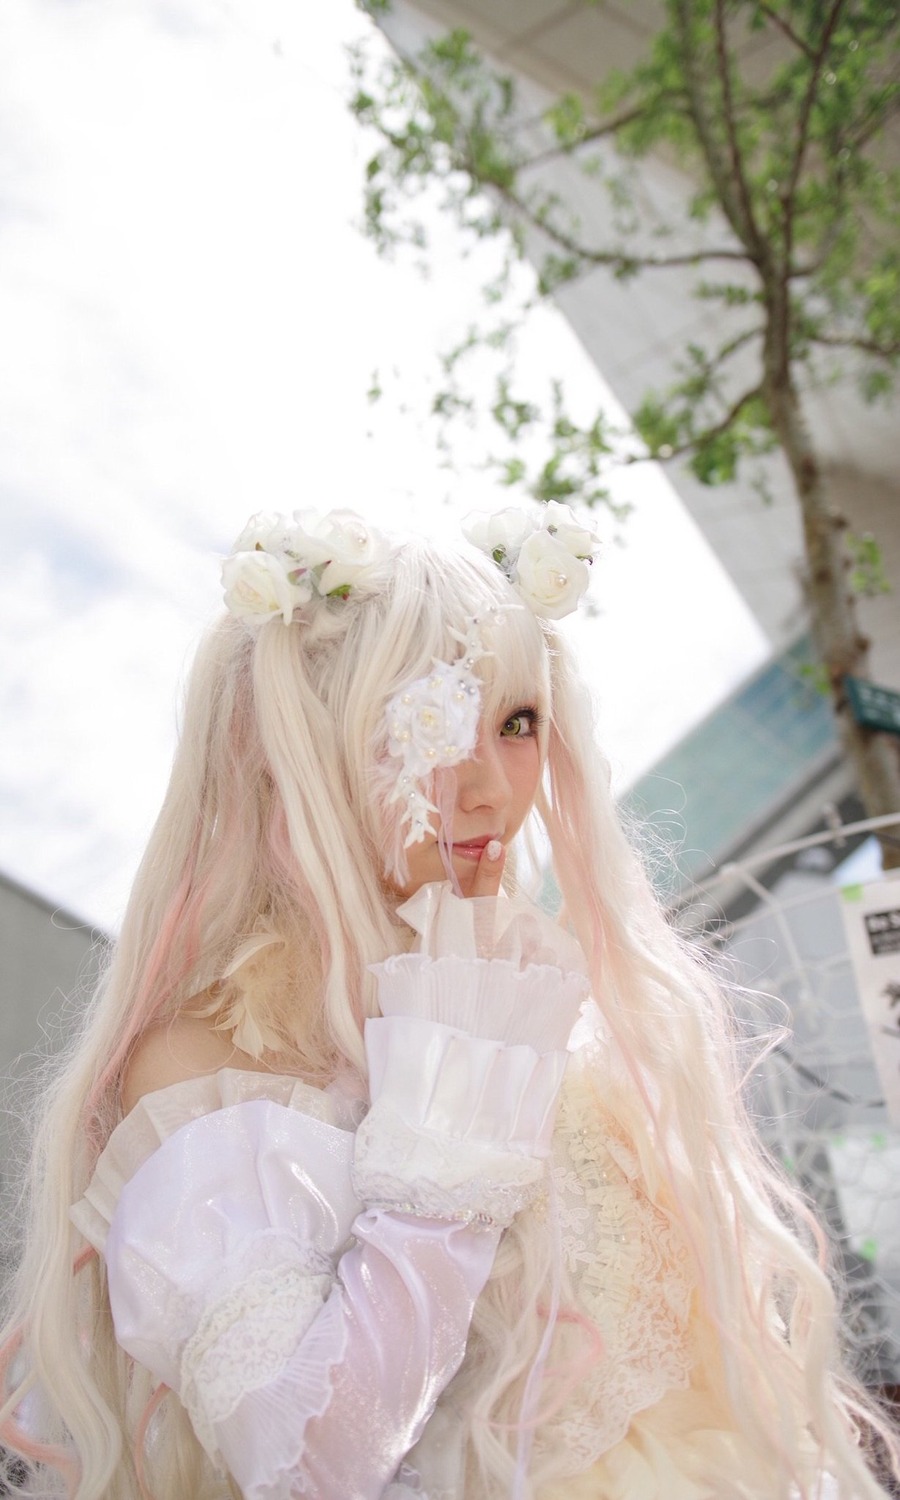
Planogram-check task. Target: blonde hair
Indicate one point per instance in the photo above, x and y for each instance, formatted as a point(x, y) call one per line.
point(275, 820)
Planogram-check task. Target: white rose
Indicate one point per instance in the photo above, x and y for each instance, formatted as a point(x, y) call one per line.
point(548, 577)
point(561, 521)
point(295, 543)
point(501, 531)
point(342, 545)
point(257, 532)
point(434, 721)
point(257, 588)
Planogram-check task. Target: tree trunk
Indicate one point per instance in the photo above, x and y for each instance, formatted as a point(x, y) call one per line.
point(875, 757)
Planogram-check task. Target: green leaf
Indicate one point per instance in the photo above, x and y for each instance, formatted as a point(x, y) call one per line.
point(715, 460)
point(876, 385)
point(867, 575)
point(659, 426)
point(566, 119)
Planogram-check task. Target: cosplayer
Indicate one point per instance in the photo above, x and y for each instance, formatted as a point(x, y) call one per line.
point(367, 1178)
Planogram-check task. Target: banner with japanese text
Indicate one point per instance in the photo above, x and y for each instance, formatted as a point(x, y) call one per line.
point(872, 923)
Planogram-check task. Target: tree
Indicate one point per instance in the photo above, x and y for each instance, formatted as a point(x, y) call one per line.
point(792, 226)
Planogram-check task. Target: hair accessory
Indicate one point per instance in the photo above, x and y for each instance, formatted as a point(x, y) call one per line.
point(546, 559)
point(433, 723)
point(277, 566)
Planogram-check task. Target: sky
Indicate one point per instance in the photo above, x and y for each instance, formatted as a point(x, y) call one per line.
point(189, 320)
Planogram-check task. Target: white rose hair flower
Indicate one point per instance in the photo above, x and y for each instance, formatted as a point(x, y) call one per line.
point(501, 533)
point(546, 557)
point(257, 588)
point(431, 724)
point(277, 566)
point(550, 578)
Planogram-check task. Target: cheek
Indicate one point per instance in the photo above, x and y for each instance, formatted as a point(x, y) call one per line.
point(525, 777)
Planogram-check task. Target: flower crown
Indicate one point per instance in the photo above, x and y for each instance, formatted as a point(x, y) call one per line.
point(278, 567)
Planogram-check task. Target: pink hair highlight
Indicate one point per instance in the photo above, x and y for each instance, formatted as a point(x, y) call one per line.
point(159, 981)
point(140, 1439)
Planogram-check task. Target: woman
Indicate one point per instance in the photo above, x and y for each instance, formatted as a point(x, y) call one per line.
point(324, 1204)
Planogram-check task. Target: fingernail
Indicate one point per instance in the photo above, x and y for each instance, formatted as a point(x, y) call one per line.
point(494, 849)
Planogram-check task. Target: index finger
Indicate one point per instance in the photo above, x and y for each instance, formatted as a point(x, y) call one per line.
point(490, 869)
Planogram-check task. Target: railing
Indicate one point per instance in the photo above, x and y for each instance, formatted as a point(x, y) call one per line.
point(817, 1094)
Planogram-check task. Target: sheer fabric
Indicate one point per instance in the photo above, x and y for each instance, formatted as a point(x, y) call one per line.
point(305, 1290)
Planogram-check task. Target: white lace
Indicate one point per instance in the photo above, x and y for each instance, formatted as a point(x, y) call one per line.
point(630, 1268)
point(244, 1339)
point(403, 1169)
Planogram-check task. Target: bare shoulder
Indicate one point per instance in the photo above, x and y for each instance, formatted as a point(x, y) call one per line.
point(184, 1048)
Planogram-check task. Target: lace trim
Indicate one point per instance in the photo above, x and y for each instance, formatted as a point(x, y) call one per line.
point(631, 1271)
point(264, 1440)
point(244, 1341)
point(407, 1170)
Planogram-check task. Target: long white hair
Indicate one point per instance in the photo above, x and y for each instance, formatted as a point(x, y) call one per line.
point(275, 822)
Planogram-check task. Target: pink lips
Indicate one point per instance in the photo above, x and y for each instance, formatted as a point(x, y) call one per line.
point(473, 848)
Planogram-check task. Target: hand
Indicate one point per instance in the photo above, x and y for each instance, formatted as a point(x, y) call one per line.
point(488, 871)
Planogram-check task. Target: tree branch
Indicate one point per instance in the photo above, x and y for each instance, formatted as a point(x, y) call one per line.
point(849, 341)
point(751, 236)
point(876, 121)
point(707, 435)
point(788, 30)
point(620, 258)
point(709, 145)
point(818, 62)
point(596, 133)
point(738, 342)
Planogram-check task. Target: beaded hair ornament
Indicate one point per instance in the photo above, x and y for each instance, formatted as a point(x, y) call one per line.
point(280, 569)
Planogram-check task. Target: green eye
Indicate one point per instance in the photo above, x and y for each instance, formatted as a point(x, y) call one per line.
point(520, 725)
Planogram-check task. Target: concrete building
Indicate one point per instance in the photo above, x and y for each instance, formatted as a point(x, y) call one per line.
point(49, 961)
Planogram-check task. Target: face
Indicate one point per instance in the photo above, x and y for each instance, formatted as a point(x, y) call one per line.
point(495, 791)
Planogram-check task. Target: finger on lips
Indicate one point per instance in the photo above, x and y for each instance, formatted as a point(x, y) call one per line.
point(490, 869)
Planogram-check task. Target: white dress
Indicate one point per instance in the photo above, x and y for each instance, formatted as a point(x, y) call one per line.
point(304, 1279)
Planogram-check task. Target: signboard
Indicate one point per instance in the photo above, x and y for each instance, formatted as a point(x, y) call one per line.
point(872, 923)
point(873, 707)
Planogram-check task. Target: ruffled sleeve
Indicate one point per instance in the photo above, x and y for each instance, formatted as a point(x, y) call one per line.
point(220, 1257)
point(306, 1289)
point(307, 1337)
point(467, 1058)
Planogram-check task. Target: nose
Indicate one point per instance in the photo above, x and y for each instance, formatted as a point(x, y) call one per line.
point(482, 781)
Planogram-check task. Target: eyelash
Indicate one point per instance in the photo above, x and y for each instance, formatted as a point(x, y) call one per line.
point(531, 717)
